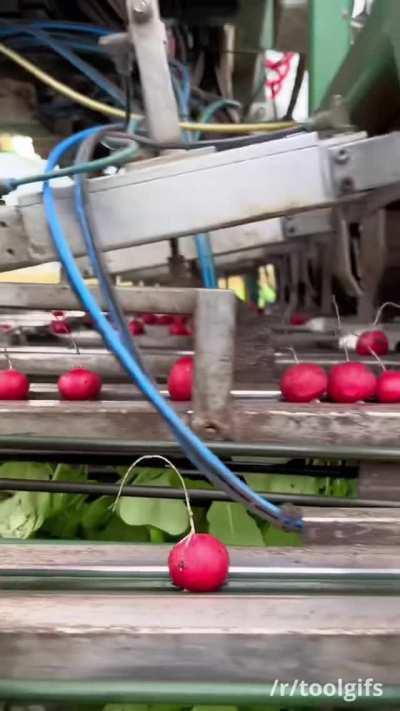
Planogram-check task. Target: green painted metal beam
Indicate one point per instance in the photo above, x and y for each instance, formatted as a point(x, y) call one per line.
point(255, 30)
point(369, 77)
point(186, 693)
point(329, 39)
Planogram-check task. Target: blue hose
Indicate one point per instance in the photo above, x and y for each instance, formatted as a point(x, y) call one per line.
point(203, 458)
point(84, 28)
point(99, 270)
point(87, 69)
point(205, 256)
point(23, 42)
point(206, 261)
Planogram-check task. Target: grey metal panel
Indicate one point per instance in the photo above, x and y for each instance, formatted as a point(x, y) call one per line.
point(145, 205)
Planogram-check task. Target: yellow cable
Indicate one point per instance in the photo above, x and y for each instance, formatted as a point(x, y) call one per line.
point(99, 107)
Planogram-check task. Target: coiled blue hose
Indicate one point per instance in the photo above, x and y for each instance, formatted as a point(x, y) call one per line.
point(203, 458)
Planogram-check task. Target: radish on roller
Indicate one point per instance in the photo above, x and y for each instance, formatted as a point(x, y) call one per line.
point(375, 340)
point(350, 382)
point(199, 562)
point(303, 382)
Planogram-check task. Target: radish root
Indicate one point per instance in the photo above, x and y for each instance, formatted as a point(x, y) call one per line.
point(172, 466)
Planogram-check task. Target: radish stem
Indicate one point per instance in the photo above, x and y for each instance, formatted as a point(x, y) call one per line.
point(375, 355)
point(8, 359)
point(172, 466)
point(381, 309)
point(339, 322)
point(294, 354)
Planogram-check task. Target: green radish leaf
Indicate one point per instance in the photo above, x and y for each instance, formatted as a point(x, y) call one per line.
point(274, 536)
point(126, 707)
point(232, 525)
point(64, 525)
point(282, 483)
point(167, 515)
point(96, 515)
point(22, 514)
point(65, 472)
point(118, 532)
point(25, 470)
point(156, 536)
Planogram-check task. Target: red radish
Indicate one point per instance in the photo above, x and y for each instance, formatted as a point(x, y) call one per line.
point(303, 382)
point(179, 329)
point(149, 319)
point(165, 320)
point(351, 382)
point(388, 386)
point(5, 327)
point(180, 318)
point(374, 341)
point(60, 326)
point(14, 385)
point(136, 327)
point(298, 319)
point(58, 314)
point(199, 563)
point(79, 384)
point(180, 379)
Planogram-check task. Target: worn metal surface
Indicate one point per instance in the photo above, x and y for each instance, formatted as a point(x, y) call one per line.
point(60, 296)
point(254, 421)
point(44, 555)
point(361, 425)
point(379, 479)
point(220, 637)
point(214, 363)
point(379, 527)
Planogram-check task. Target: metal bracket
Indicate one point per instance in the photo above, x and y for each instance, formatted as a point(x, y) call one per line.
point(149, 40)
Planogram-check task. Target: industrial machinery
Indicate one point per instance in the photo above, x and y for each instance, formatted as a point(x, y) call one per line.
point(97, 620)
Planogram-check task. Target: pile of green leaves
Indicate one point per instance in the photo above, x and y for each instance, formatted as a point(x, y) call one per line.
point(76, 516)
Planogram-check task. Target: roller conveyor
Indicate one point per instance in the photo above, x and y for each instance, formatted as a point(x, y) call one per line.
point(84, 633)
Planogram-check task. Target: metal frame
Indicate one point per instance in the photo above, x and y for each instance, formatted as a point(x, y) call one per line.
point(254, 183)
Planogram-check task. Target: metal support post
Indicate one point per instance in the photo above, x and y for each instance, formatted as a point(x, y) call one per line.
point(214, 361)
point(148, 36)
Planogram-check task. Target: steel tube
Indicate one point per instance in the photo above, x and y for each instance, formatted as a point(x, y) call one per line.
point(16, 443)
point(198, 495)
